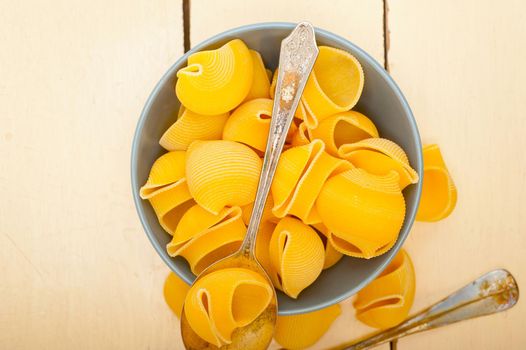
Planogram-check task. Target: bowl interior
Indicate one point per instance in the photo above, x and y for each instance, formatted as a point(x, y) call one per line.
point(381, 100)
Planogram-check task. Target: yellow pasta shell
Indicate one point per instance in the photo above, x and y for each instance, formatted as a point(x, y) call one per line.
point(174, 292)
point(262, 247)
point(296, 254)
point(335, 85)
point(260, 81)
point(250, 123)
point(301, 331)
point(299, 177)
point(363, 212)
point(191, 126)
point(343, 128)
point(301, 136)
point(380, 156)
point(332, 256)
point(386, 301)
point(267, 212)
point(166, 189)
point(216, 81)
point(439, 193)
point(203, 238)
point(166, 171)
point(224, 300)
point(222, 173)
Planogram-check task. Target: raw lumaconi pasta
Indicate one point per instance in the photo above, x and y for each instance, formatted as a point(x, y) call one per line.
point(299, 177)
point(386, 301)
point(296, 255)
point(363, 212)
point(260, 81)
point(439, 193)
point(174, 291)
point(203, 238)
point(224, 300)
point(222, 173)
point(250, 123)
point(267, 212)
point(380, 156)
point(216, 81)
point(332, 256)
point(301, 331)
point(167, 190)
point(343, 128)
point(191, 126)
point(335, 85)
point(301, 136)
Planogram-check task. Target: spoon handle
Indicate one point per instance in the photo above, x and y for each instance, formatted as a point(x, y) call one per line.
point(493, 292)
point(297, 56)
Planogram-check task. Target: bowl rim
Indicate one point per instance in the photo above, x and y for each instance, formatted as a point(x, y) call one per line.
point(410, 216)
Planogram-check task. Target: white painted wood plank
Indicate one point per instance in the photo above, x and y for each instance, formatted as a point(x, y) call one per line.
point(77, 270)
point(461, 66)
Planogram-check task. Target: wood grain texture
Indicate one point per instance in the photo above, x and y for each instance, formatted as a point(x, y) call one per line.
point(77, 270)
point(461, 66)
point(357, 20)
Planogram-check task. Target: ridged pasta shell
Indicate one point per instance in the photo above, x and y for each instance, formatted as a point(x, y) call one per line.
point(296, 254)
point(332, 256)
point(267, 212)
point(439, 193)
point(343, 128)
point(166, 189)
point(216, 81)
point(302, 331)
point(174, 292)
point(301, 136)
point(334, 86)
point(222, 173)
point(386, 301)
point(250, 123)
point(363, 212)
point(224, 300)
point(380, 156)
point(260, 82)
point(190, 127)
point(299, 177)
point(203, 238)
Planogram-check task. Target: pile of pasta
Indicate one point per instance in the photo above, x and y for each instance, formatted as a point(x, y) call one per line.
point(337, 188)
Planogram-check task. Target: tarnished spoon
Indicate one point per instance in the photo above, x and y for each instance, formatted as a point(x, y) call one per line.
point(493, 292)
point(297, 56)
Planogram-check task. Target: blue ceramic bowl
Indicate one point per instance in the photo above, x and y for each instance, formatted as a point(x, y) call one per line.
point(381, 100)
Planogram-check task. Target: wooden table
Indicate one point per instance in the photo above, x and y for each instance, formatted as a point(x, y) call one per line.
point(77, 270)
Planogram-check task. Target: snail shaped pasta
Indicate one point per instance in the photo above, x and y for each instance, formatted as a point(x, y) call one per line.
point(380, 156)
point(334, 86)
point(296, 255)
point(439, 194)
point(386, 301)
point(191, 126)
point(299, 177)
point(301, 331)
point(174, 292)
point(260, 82)
point(225, 300)
point(216, 81)
point(222, 173)
point(343, 128)
point(167, 190)
point(250, 124)
point(363, 212)
point(267, 212)
point(332, 256)
point(202, 238)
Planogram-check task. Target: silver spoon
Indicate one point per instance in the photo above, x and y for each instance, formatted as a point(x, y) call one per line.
point(296, 60)
point(493, 292)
